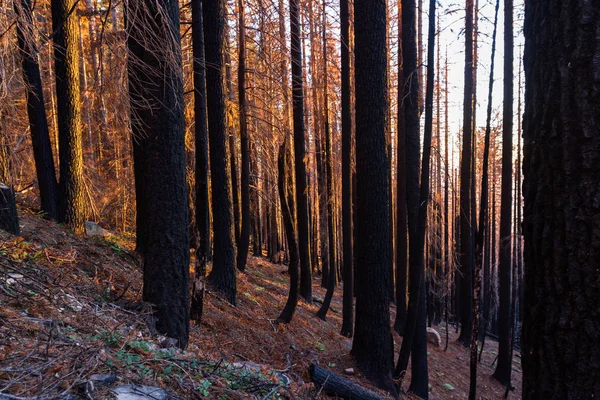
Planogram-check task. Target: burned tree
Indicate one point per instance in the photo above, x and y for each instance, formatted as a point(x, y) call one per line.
point(561, 188)
point(157, 123)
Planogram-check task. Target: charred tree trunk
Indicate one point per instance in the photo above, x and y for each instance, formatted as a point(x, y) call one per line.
point(561, 189)
point(286, 199)
point(401, 223)
point(483, 218)
point(448, 258)
point(38, 124)
point(419, 370)
point(9, 219)
point(502, 373)
point(465, 283)
point(222, 276)
point(332, 278)
point(244, 239)
point(299, 153)
point(155, 75)
point(347, 237)
point(372, 346)
point(201, 136)
point(410, 106)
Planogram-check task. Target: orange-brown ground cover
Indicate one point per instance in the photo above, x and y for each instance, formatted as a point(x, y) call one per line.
point(70, 307)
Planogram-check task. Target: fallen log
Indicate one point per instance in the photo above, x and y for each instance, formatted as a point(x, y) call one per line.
point(336, 385)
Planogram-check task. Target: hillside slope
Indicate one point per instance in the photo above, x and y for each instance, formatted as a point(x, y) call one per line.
point(70, 310)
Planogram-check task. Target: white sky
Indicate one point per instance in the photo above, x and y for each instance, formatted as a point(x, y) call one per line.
point(452, 37)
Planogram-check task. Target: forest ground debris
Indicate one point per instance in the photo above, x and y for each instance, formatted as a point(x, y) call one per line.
point(71, 311)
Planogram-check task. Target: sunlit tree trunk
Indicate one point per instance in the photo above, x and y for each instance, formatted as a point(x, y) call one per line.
point(67, 58)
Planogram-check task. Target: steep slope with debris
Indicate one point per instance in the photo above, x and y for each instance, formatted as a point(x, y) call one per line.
point(72, 325)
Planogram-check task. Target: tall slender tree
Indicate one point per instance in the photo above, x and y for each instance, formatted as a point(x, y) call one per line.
point(417, 309)
point(155, 78)
point(448, 258)
point(502, 372)
point(244, 239)
point(401, 223)
point(332, 278)
point(483, 218)
point(465, 268)
point(222, 275)
point(286, 198)
point(38, 124)
point(410, 105)
point(231, 140)
point(347, 237)
point(67, 59)
point(372, 346)
point(201, 137)
point(299, 153)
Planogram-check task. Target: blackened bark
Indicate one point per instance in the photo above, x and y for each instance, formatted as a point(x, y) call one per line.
point(464, 276)
point(222, 276)
point(483, 218)
point(347, 237)
point(201, 136)
point(338, 386)
point(419, 372)
point(9, 218)
point(299, 153)
point(67, 59)
point(372, 347)
point(502, 372)
point(286, 199)
point(244, 239)
point(331, 251)
point(448, 261)
point(38, 124)
point(561, 188)
point(401, 223)
point(410, 105)
point(322, 217)
point(155, 76)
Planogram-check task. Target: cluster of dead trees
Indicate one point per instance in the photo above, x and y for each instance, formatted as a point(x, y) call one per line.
point(307, 161)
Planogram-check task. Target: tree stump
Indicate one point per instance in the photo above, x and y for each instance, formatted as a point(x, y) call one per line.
point(9, 219)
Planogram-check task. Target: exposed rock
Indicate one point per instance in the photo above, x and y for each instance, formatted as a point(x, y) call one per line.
point(140, 392)
point(93, 229)
point(103, 379)
point(168, 343)
point(433, 337)
point(349, 371)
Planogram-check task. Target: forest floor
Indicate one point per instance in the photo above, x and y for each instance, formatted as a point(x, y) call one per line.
point(72, 325)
